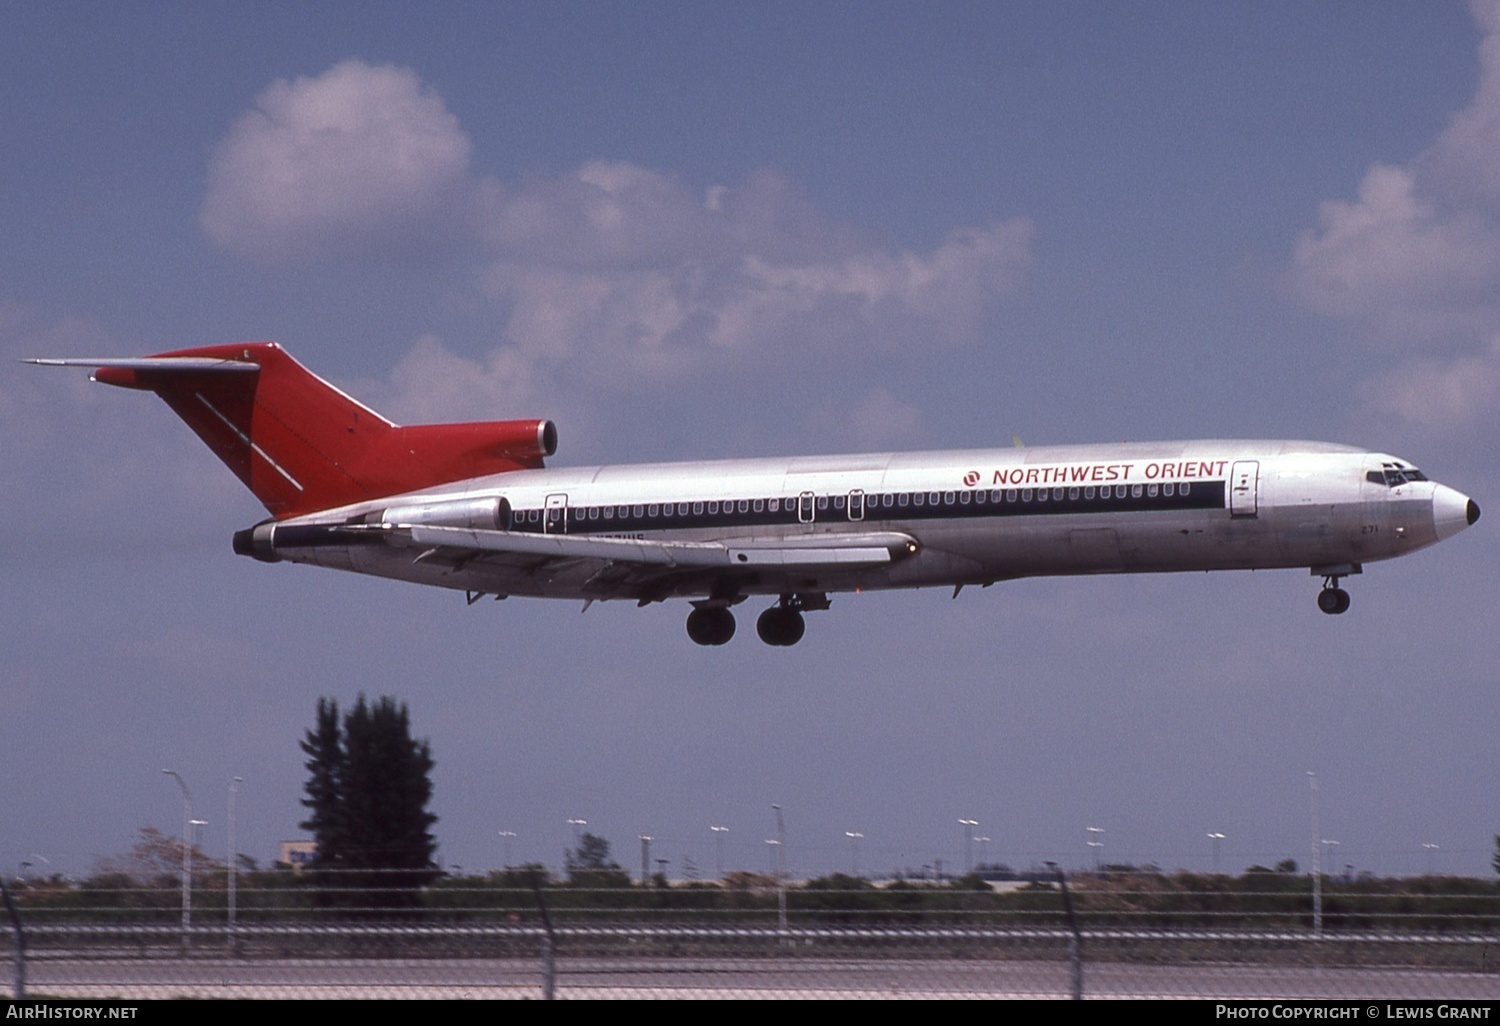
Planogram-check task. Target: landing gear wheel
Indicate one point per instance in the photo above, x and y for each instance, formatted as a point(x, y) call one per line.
point(781, 626)
point(710, 626)
point(1333, 601)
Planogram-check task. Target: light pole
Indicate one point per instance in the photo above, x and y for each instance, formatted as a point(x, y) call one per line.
point(854, 839)
point(1216, 836)
point(187, 856)
point(646, 840)
point(969, 825)
point(577, 839)
point(719, 832)
point(1096, 842)
point(1326, 843)
point(1317, 866)
point(780, 869)
point(234, 858)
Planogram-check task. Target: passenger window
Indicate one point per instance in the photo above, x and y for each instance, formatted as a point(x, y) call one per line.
point(1151, 491)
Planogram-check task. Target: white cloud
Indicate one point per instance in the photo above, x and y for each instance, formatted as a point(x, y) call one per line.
point(1421, 240)
point(734, 301)
point(1392, 250)
point(357, 158)
point(606, 269)
point(1434, 393)
point(431, 383)
point(1414, 259)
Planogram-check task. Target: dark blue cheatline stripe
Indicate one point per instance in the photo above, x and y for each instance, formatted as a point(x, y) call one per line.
point(982, 503)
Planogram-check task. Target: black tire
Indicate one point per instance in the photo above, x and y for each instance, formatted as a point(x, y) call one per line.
point(780, 626)
point(710, 626)
point(1333, 601)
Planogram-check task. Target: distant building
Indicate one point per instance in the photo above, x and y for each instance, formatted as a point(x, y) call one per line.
point(297, 853)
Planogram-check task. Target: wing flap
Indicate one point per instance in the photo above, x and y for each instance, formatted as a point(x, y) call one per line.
point(871, 549)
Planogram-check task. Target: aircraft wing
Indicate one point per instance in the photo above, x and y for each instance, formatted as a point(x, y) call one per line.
point(802, 551)
point(606, 567)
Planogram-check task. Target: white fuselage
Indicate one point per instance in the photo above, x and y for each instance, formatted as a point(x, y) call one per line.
point(975, 517)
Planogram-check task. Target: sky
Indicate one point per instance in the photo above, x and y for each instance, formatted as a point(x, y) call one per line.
point(692, 231)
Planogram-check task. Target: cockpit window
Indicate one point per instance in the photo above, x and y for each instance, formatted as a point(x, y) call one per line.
point(1394, 476)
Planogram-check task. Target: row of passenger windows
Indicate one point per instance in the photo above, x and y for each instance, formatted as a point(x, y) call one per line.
point(891, 501)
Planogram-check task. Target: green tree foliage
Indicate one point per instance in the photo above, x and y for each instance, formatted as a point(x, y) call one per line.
point(368, 786)
point(590, 865)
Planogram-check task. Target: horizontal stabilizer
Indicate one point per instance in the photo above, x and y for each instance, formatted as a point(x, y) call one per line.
point(299, 443)
point(186, 364)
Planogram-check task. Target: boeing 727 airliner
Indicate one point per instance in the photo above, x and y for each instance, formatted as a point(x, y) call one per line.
point(472, 506)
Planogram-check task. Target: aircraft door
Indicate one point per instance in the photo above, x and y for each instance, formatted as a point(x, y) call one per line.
point(1244, 488)
point(856, 505)
point(805, 507)
point(556, 519)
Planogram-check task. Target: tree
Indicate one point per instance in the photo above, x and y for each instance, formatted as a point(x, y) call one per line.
point(589, 865)
point(369, 783)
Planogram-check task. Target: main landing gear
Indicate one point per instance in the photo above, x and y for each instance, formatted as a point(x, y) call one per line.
point(781, 625)
point(713, 625)
point(1333, 599)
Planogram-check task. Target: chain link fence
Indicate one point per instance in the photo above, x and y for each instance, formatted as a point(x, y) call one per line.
point(486, 938)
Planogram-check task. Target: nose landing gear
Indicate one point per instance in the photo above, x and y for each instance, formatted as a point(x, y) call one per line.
point(1333, 599)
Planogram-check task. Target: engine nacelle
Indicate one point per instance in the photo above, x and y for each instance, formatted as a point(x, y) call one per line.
point(481, 447)
point(258, 542)
point(492, 513)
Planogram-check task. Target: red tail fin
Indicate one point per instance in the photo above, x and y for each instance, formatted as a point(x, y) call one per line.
point(301, 445)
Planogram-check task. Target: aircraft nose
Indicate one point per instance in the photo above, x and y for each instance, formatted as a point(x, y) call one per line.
point(1452, 511)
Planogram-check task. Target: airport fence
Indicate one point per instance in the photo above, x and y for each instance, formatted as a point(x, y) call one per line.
point(480, 939)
